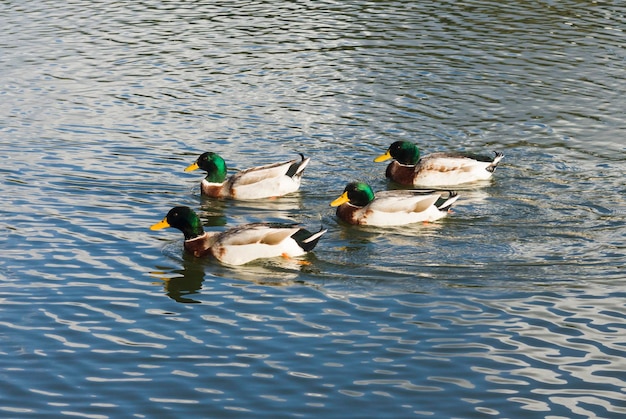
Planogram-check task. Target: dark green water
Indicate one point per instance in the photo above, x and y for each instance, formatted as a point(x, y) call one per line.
point(513, 306)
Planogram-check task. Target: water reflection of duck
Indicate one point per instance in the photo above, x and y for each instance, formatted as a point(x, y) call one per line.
point(187, 282)
point(359, 205)
point(243, 244)
point(436, 169)
point(267, 181)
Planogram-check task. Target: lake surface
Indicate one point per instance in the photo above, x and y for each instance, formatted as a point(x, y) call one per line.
point(513, 306)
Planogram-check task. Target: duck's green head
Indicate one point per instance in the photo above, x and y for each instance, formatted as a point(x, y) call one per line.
point(357, 193)
point(403, 152)
point(184, 219)
point(213, 164)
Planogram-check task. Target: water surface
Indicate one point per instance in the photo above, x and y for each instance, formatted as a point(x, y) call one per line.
point(513, 306)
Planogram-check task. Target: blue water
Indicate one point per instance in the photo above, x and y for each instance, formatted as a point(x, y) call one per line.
point(512, 306)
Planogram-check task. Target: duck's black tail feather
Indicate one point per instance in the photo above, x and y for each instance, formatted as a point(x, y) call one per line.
point(499, 156)
point(307, 240)
point(298, 167)
point(444, 204)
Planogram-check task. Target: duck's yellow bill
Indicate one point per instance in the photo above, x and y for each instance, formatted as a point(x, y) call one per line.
point(192, 167)
point(383, 157)
point(341, 200)
point(160, 225)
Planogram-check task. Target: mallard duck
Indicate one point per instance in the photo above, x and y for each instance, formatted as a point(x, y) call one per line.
point(436, 169)
point(267, 181)
point(359, 205)
point(242, 244)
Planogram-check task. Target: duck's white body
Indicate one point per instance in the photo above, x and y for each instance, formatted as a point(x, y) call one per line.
point(442, 170)
point(240, 245)
point(259, 182)
point(393, 208)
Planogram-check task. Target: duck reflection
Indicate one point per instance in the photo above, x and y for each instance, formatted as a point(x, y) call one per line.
point(180, 284)
point(274, 272)
point(283, 203)
point(213, 213)
point(272, 209)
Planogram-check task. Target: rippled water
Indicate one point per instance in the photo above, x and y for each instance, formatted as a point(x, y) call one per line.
point(513, 306)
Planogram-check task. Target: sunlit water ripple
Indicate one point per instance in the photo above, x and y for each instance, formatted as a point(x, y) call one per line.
point(513, 306)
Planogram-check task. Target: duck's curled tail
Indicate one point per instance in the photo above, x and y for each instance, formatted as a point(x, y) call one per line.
point(499, 156)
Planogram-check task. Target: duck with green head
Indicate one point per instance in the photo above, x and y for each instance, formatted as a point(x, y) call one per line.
point(436, 169)
point(267, 181)
point(242, 244)
point(359, 205)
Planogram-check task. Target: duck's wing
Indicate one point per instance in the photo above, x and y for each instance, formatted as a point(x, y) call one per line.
point(446, 162)
point(257, 241)
point(258, 174)
point(257, 233)
point(404, 201)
